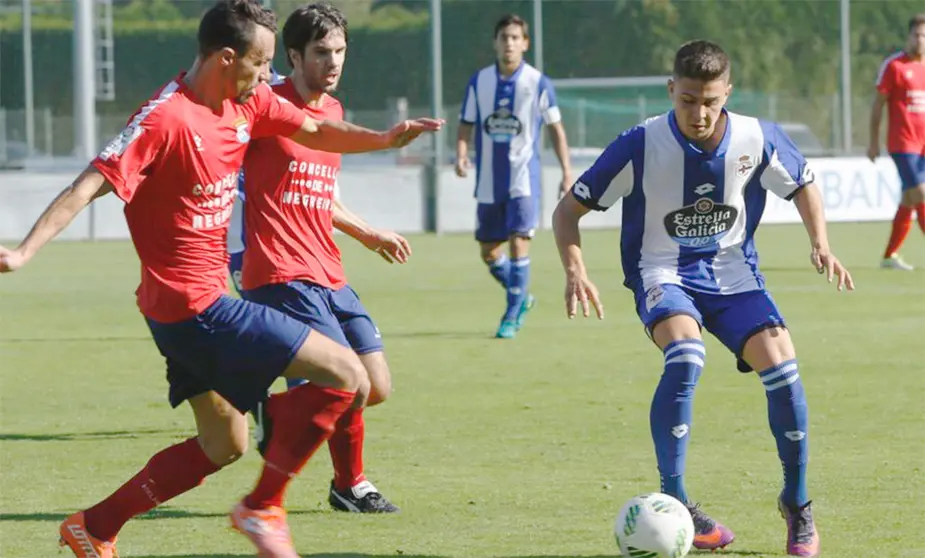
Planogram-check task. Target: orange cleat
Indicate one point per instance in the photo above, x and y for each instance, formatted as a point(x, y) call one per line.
point(74, 535)
point(267, 529)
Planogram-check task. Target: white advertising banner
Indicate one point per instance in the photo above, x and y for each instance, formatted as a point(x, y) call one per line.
point(852, 189)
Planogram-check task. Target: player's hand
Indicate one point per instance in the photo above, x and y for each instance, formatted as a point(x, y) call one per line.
point(392, 246)
point(407, 131)
point(10, 260)
point(826, 263)
point(362, 393)
point(462, 166)
point(580, 289)
point(873, 151)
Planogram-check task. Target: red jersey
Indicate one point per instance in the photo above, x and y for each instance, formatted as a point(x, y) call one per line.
point(902, 81)
point(176, 168)
point(288, 209)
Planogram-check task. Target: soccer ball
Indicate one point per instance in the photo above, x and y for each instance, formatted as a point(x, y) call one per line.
point(654, 526)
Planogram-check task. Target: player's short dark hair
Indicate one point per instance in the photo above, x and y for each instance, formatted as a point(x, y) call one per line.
point(916, 20)
point(512, 19)
point(310, 23)
point(232, 24)
point(701, 60)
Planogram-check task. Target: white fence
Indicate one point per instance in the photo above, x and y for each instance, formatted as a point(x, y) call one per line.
point(853, 189)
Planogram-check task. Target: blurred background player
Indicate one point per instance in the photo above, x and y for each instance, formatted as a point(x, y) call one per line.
point(901, 87)
point(691, 204)
point(508, 103)
point(176, 166)
point(291, 262)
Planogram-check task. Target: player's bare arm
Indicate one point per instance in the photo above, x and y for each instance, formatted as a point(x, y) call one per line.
point(71, 201)
point(876, 115)
point(463, 135)
point(391, 246)
point(560, 145)
point(809, 203)
point(337, 136)
point(578, 288)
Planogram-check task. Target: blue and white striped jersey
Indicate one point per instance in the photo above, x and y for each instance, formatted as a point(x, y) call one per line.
point(508, 115)
point(689, 217)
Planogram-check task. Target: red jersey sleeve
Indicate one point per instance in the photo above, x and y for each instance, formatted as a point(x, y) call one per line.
point(275, 115)
point(886, 79)
point(129, 158)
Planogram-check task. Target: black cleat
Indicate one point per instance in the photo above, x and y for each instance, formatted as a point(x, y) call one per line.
point(362, 498)
point(263, 426)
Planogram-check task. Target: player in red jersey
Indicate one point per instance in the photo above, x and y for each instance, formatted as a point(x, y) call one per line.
point(175, 166)
point(901, 87)
point(291, 262)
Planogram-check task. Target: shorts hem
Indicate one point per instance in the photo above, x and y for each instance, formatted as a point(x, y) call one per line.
point(369, 350)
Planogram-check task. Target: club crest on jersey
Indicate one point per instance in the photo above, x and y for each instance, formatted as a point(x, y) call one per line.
point(744, 165)
point(243, 134)
point(502, 125)
point(701, 224)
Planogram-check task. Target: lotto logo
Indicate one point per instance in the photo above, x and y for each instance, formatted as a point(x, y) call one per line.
point(680, 431)
point(581, 191)
point(704, 189)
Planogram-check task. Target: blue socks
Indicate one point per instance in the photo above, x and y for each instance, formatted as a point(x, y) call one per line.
point(517, 287)
point(672, 411)
point(500, 269)
point(789, 419)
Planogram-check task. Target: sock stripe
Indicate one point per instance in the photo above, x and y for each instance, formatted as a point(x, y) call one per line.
point(782, 383)
point(520, 262)
point(500, 262)
point(691, 358)
point(780, 376)
point(685, 347)
point(781, 369)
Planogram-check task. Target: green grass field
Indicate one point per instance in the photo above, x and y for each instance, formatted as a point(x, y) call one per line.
point(510, 449)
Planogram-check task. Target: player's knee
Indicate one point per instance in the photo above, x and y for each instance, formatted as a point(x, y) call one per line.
point(768, 348)
point(380, 389)
point(380, 377)
point(917, 194)
point(490, 252)
point(224, 447)
point(348, 368)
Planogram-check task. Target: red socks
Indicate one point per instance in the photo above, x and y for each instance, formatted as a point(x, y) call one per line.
point(346, 445)
point(169, 473)
point(303, 419)
point(920, 211)
point(902, 223)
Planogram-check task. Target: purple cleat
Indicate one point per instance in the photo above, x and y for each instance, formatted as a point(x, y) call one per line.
point(802, 536)
point(709, 534)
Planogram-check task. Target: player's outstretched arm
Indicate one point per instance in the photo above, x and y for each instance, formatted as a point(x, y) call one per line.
point(90, 185)
point(578, 288)
point(391, 246)
point(809, 203)
point(337, 136)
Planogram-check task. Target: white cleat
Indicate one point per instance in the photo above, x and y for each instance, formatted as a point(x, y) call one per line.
point(895, 262)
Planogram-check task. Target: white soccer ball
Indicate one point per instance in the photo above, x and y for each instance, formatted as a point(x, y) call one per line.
point(654, 526)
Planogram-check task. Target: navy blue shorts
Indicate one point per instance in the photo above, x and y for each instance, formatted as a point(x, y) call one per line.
point(497, 222)
point(911, 167)
point(234, 347)
point(733, 319)
point(337, 314)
